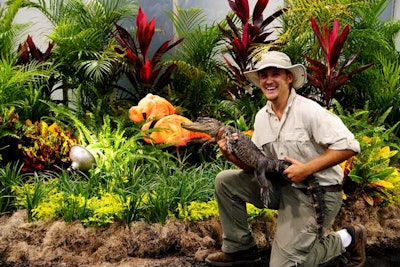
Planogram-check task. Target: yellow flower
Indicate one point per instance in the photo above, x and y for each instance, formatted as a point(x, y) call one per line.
point(367, 139)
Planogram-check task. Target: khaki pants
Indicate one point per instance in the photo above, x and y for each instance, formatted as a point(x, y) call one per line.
point(296, 242)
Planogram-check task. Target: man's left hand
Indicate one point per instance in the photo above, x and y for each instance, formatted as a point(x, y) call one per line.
point(297, 172)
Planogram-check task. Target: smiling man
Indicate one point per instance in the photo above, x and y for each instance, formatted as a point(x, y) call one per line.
point(314, 141)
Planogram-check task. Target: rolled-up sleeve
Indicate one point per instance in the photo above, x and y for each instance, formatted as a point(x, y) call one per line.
point(330, 131)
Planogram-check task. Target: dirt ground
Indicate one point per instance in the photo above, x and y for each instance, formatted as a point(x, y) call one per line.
point(57, 243)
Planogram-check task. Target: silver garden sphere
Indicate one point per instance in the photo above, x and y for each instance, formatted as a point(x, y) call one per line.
point(81, 158)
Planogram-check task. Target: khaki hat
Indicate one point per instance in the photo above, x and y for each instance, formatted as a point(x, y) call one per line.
point(281, 61)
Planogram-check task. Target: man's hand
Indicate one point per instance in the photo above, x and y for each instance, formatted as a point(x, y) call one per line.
point(221, 141)
point(297, 172)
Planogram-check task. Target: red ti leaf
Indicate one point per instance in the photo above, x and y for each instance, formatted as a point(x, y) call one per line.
point(241, 9)
point(145, 72)
point(337, 44)
point(23, 54)
point(144, 32)
point(132, 57)
point(326, 76)
point(125, 39)
point(33, 49)
point(258, 11)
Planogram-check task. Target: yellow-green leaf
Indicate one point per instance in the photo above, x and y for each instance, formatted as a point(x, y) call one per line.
point(383, 183)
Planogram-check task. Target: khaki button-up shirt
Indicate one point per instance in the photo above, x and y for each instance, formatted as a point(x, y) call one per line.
point(304, 132)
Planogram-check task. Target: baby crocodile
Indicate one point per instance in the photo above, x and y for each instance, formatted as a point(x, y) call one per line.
point(247, 152)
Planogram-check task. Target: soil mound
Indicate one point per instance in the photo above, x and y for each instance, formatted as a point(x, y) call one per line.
point(176, 243)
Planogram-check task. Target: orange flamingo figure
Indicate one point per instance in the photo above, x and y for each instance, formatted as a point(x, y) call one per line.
point(168, 130)
point(162, 125)
point(151, 108)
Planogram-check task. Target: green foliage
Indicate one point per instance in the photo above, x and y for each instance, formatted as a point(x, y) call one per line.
point(240, 112)
point(197, 211)
point(30, 193)
point(366, 122)
point(384, 92)
point(199, 80)
point(373, 170)
point(369, 35)
point(9, 128)
point(10, 175)
point(83, 52)
point(99, 199)
point(9, 31)
point(174, 186)
point(20, 82)
point(296, 21)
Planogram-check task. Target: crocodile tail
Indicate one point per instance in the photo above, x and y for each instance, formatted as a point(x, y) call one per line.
point(317, 194)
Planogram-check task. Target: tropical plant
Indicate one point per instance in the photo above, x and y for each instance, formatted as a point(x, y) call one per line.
point(252, 29)
point(30, 192)
point(371, 169)
point(240, 112)
point(372, 173)
point(45, 147)
point(384, 92)
point(10, 126)
point(21, 98)
point(9, 30)
point(200, 78)
point(83, 36)
point(15, 79)
point(328, 77)
point(146, 74)
point(28, 51)
point(17, 83)
point(295, 21)
point(10, 176)
point(369, 36)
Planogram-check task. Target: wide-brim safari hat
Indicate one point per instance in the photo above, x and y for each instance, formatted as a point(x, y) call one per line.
point(278, 60)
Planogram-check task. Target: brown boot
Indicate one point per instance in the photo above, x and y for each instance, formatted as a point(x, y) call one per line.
point(248, 257)
point(356, 250)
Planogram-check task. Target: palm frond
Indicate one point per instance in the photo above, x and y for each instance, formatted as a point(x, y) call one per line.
point(9, 30)
point(187, 20)
point(99, 69)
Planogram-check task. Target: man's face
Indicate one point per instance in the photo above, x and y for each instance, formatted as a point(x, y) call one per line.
point(275, 83)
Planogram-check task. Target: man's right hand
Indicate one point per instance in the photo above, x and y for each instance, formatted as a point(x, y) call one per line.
point(221, 141)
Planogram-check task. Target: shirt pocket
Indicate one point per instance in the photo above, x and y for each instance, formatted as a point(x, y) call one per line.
point(299, 136)
point(298, 143)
